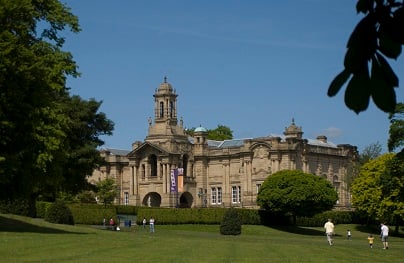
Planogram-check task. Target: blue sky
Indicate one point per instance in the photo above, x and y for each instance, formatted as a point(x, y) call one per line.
point(249, 65)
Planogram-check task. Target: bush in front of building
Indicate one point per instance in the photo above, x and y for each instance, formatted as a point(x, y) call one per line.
point(21, 207)
point(172, 216)
point(92, 214)
point(338, 217)
point(231, 223)
point(127, 209)
point(59, 213)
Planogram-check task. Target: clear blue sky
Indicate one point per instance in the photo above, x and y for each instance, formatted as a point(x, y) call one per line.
point(249, 65)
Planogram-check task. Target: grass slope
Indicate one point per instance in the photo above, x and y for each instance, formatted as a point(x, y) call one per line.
point(33, 240)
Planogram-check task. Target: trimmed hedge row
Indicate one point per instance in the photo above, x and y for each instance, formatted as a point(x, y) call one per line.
point(93, 214)
point(338, 217)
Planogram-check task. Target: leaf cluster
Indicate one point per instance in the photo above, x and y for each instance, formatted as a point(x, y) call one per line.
point(106, 191)
point(379, 189)
point(220, 133)
point(48, 139)
point(377, 37)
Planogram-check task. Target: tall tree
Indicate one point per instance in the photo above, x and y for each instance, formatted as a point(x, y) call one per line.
point(48, 139)
point(396, 131)
point(33, 71)
point(79, 155)
point(295, 193)
point(376, 38)
point(379, 190)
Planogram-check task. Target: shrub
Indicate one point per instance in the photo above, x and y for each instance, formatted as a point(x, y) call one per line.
point(89, 214)
point(23, 207)
point(59, 213)
point(231, 223)
point(41, 208)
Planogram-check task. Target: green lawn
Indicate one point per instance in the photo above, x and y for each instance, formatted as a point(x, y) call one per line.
point(33, 240)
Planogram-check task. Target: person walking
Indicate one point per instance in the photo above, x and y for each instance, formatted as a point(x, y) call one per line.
point(384, 235)
point(144, 222)
point(348, 234)
point(370, 239)
point(329, 231)
point(151, 223)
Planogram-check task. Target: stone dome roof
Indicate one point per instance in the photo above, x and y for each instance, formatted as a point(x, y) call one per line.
point(293, 128)
point(200, 129)
point(165, 87)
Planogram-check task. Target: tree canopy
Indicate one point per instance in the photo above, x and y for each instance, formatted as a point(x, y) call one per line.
point(106, 191)
point(375, 39)
point(220, 133)
point(370, 152)
point(396, 131)
point(296, 193)
point(47, 137)
point(379, 190)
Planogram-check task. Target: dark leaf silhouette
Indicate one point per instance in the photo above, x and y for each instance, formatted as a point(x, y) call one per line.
point(338, 82)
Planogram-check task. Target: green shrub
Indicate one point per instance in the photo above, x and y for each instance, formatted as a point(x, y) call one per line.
point(41, 208)
point(127, 209)
point(231, 223)
point(23, 207)
point(92, 214)
point(59, 213)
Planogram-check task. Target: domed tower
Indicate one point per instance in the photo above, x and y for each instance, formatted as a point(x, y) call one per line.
point(165, 126)
point(200, 140)
point(293, 131)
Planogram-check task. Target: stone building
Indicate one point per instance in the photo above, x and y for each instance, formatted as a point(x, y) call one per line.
point(215, 173)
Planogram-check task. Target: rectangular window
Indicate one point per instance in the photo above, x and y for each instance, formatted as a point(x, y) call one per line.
point(258, 187)
point(213, 195)
point(219, 195)
point(236, 194)
point(126, 201)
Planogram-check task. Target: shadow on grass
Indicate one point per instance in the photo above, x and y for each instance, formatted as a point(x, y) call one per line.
point(299, 230)
point(15, 225)
point(375, 230)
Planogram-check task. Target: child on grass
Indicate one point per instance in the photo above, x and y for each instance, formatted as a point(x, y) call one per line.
point(370, 239)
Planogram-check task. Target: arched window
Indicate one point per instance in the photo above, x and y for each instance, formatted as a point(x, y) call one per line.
point(171, 109)
point(161, 109)
point(153, 165)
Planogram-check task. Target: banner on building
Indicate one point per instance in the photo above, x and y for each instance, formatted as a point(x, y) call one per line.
point(177, 180)
point(174, 177)
point(180, 179)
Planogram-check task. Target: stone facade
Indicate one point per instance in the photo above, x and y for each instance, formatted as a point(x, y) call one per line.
point(215, 173)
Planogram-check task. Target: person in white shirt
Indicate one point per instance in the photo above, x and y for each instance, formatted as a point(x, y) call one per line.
point(329, 231)
point(384, 235)
point(151, 223)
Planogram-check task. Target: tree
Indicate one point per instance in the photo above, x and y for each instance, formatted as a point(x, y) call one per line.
point(106, 191)
point(378, 192)
point(48, 139)
point(396, 131)
point(221, 133)
point(33, 71)
point(295, 193)
point(379, 35)
point(370, 152)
